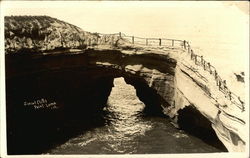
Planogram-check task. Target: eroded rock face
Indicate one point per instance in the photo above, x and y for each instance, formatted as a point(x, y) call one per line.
point(173, 85)
point(53, 89)
point(227, 120)
point(180, 84)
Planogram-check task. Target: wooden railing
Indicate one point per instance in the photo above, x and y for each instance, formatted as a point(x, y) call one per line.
point(152, 41)
point(222, 84)
point(198, 60)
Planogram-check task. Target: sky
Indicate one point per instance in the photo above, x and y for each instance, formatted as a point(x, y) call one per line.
point(142, 18)
point(219, 28)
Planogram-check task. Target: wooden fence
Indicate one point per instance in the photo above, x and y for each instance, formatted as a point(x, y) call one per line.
point(198, 60)
point(152, 41)
point(222, 84)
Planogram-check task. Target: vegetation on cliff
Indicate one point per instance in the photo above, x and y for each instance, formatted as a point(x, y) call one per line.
point(43, 33)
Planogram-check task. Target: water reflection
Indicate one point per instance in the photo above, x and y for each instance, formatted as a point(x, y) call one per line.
point(127, 131)
point(125, 117)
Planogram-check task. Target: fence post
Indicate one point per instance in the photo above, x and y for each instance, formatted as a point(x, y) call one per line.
point(112, 40)
point(195, 59)
point(159, 42)
point(133, 39)
point(210, 71)
point(225, 85)
point(215, 74)
point(219, 84)
point(184, 44)
point(172, 42)
point(192, 54)
point(230, 95)
point(209, 68)
point(201, 60)
point(218, 80)
point(204, 65)
point(120, 34)
point(97, 41)
point(89, 41)
point(146, 41)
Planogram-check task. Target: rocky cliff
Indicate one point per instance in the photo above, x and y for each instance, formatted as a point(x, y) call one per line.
point(187, 88)
point(42, 33)
point(165, 78)
point(195, 88)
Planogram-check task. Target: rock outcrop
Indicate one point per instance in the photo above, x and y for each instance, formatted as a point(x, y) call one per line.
point(184, 85)
point(69, 83)
point(196, 88)
point(42, 33)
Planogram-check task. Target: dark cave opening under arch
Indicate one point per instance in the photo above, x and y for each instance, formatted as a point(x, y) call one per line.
point(80, 94)
point(78, 97)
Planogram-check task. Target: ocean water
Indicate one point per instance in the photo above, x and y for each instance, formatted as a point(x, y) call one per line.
point(127, 130)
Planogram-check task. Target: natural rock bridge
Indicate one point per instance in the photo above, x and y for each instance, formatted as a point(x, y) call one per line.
point(44, 82)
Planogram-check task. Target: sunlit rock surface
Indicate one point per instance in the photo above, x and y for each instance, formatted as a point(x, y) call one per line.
point(186, 84)
point(165, 74)
point(197, 88)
